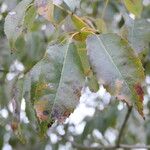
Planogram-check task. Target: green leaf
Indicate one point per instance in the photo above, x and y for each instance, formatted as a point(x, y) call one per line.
point(117, 67)
point(134, 6)
point(30, 17)
point(32, 49)
point(13, 26)
point(138, 34)
point(54, 84)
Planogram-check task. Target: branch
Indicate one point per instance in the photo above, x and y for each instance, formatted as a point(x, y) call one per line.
point(83, 147)
point(134, 146)
point(123, 126)
point(124, 146)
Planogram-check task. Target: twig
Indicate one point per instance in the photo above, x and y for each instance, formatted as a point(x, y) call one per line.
point(123, 126)
point(124, 146)
point(83, 147)
point(134, 146)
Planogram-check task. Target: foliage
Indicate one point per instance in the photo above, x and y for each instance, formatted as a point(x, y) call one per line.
point(52, 52)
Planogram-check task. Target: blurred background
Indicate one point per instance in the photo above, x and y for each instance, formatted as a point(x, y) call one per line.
point(98, 117)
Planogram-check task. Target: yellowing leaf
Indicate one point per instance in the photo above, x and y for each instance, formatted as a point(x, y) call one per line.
point(81, 36)
point(78, 22)
point(114, 62)
point(134, 6)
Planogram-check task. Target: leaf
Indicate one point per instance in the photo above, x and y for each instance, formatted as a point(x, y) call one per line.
point(30, 17)
point(117, 67)
point(134, 6)
point(72, 4)
point(32, 50)
point(55, 83)
point(138, 33)
point(59, 14)
point(14, 22)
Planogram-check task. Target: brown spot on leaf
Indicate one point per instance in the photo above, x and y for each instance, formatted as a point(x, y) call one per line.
point(67, 113)
point(118, 86)
point(139, 91)
point(46, 112)
point(50, 123)
point(77, 92)
point(41, 111)
point(87, 72)
point(14, 125)
point(124, 63)
point(64, 116)
point(41, 87)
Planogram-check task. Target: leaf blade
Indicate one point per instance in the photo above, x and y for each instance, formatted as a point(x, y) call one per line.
point(14, 22)
point(117, 67)
point(56, 83)
point(134, 6)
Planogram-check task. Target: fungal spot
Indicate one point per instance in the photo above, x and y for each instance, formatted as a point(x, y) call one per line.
point(87, 72)
point(46, 112)
point(41, 112)
point(77, 92)
point(124, 63)
point(66, 113)
point(50, 123)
